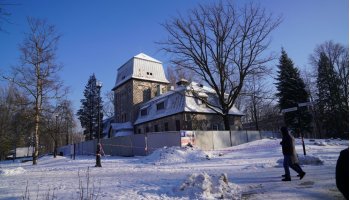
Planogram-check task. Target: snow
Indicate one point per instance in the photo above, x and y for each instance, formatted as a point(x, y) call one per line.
point(247, 171)
point(13, 171)
point(204, 186)
point(175, 155)
point(146, 57)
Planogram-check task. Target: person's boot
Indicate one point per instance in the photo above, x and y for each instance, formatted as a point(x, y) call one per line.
point(301, 175)
point(287, 178)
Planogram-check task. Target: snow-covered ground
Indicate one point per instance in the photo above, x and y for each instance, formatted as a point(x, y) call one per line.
point(248, 171)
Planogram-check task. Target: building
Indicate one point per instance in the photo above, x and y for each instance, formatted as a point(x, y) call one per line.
point(144, 102)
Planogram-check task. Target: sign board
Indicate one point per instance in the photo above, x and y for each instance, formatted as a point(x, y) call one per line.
point(289, 109)
point(187, 137)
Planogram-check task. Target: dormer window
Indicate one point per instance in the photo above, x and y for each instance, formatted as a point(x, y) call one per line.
point(144, 112)
point(160, 106)
point(123, 77)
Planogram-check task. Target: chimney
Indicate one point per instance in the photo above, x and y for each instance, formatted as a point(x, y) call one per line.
point(182, 82)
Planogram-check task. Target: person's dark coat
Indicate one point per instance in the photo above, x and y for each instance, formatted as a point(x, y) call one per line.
point(342, 173)
point(288, 146)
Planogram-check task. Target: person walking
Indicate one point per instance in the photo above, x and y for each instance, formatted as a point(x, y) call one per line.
point(99, 151)
point(290, 156)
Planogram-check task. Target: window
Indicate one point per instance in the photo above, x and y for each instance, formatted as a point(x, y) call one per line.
point(149, 73)
point(160, 106)
point(166, 126)
point(147, 129)
point(144, 112)
point(215, 127)
point(139, 131)
point(177, 124)
point(156, 128)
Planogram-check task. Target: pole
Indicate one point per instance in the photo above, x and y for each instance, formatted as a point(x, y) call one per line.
point(99, 116)
point(55, 139)
point(301, 132)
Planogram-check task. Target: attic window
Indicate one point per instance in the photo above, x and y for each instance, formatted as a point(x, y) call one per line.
point(149, 73)
point(160, 106)
point(123, 77)
point(144, 112)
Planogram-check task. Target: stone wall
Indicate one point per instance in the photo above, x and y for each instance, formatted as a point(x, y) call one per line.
point(129, 96)
point(188, 121)
point(123, 95)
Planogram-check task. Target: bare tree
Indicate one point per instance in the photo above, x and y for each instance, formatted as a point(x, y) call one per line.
point(108, 106)
point(223, 45)
point(38, 73)
point(259, 96)
point(176, 73)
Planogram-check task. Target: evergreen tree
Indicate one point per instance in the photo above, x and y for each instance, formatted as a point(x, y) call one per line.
point(89, 110)
point(331, 102)
point(291, 91)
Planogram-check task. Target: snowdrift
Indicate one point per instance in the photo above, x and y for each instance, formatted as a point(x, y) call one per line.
point(305, 160)
point(204, 186)
point(13, 171)
point(175, 155)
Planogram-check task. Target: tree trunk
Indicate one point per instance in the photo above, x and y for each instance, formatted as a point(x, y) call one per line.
point(226, 122)
point(36, 138)
point(55, 148)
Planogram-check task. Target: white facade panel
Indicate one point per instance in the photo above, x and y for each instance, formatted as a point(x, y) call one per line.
point(142, 67)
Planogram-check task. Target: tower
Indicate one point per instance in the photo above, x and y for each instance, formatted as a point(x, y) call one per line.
point(138, 80)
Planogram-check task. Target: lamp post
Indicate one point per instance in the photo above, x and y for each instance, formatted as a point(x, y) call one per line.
point(99, 86)
point(98, 150)
point(55, 138)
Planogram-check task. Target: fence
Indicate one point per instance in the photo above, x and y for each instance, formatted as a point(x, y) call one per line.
point(132, 145)
point(211, 140)
point(144, 144)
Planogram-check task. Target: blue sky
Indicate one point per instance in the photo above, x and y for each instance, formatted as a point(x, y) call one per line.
point(100, 36)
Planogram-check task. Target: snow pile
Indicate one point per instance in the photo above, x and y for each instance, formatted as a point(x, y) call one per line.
point(305, 160)
point(329, 142)
point(173, 155)
point(310, 160)
point(13, 171)
point(203, 186)
point(320, 143)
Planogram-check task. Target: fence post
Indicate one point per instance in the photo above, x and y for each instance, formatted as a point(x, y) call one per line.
point(231, 138)
point(260, 134)
point(74, 151)
point(246, 131)
point(212, 139)
point(146, 145)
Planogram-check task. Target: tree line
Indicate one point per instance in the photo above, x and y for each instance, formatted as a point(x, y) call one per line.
point(35, 110)
point(225, 47)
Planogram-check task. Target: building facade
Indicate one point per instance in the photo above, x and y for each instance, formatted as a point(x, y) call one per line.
point(144, 102)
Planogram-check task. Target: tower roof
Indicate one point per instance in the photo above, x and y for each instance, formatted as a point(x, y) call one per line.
point(146, 57)
point(141, 67)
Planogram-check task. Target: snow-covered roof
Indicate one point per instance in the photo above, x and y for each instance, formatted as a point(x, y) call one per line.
point(142, 67)
point(121, 126)
point(179, 100)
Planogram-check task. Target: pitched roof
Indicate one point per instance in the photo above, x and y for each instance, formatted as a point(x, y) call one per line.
point(146, 57)
point(179, 100)
point(141, 67)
